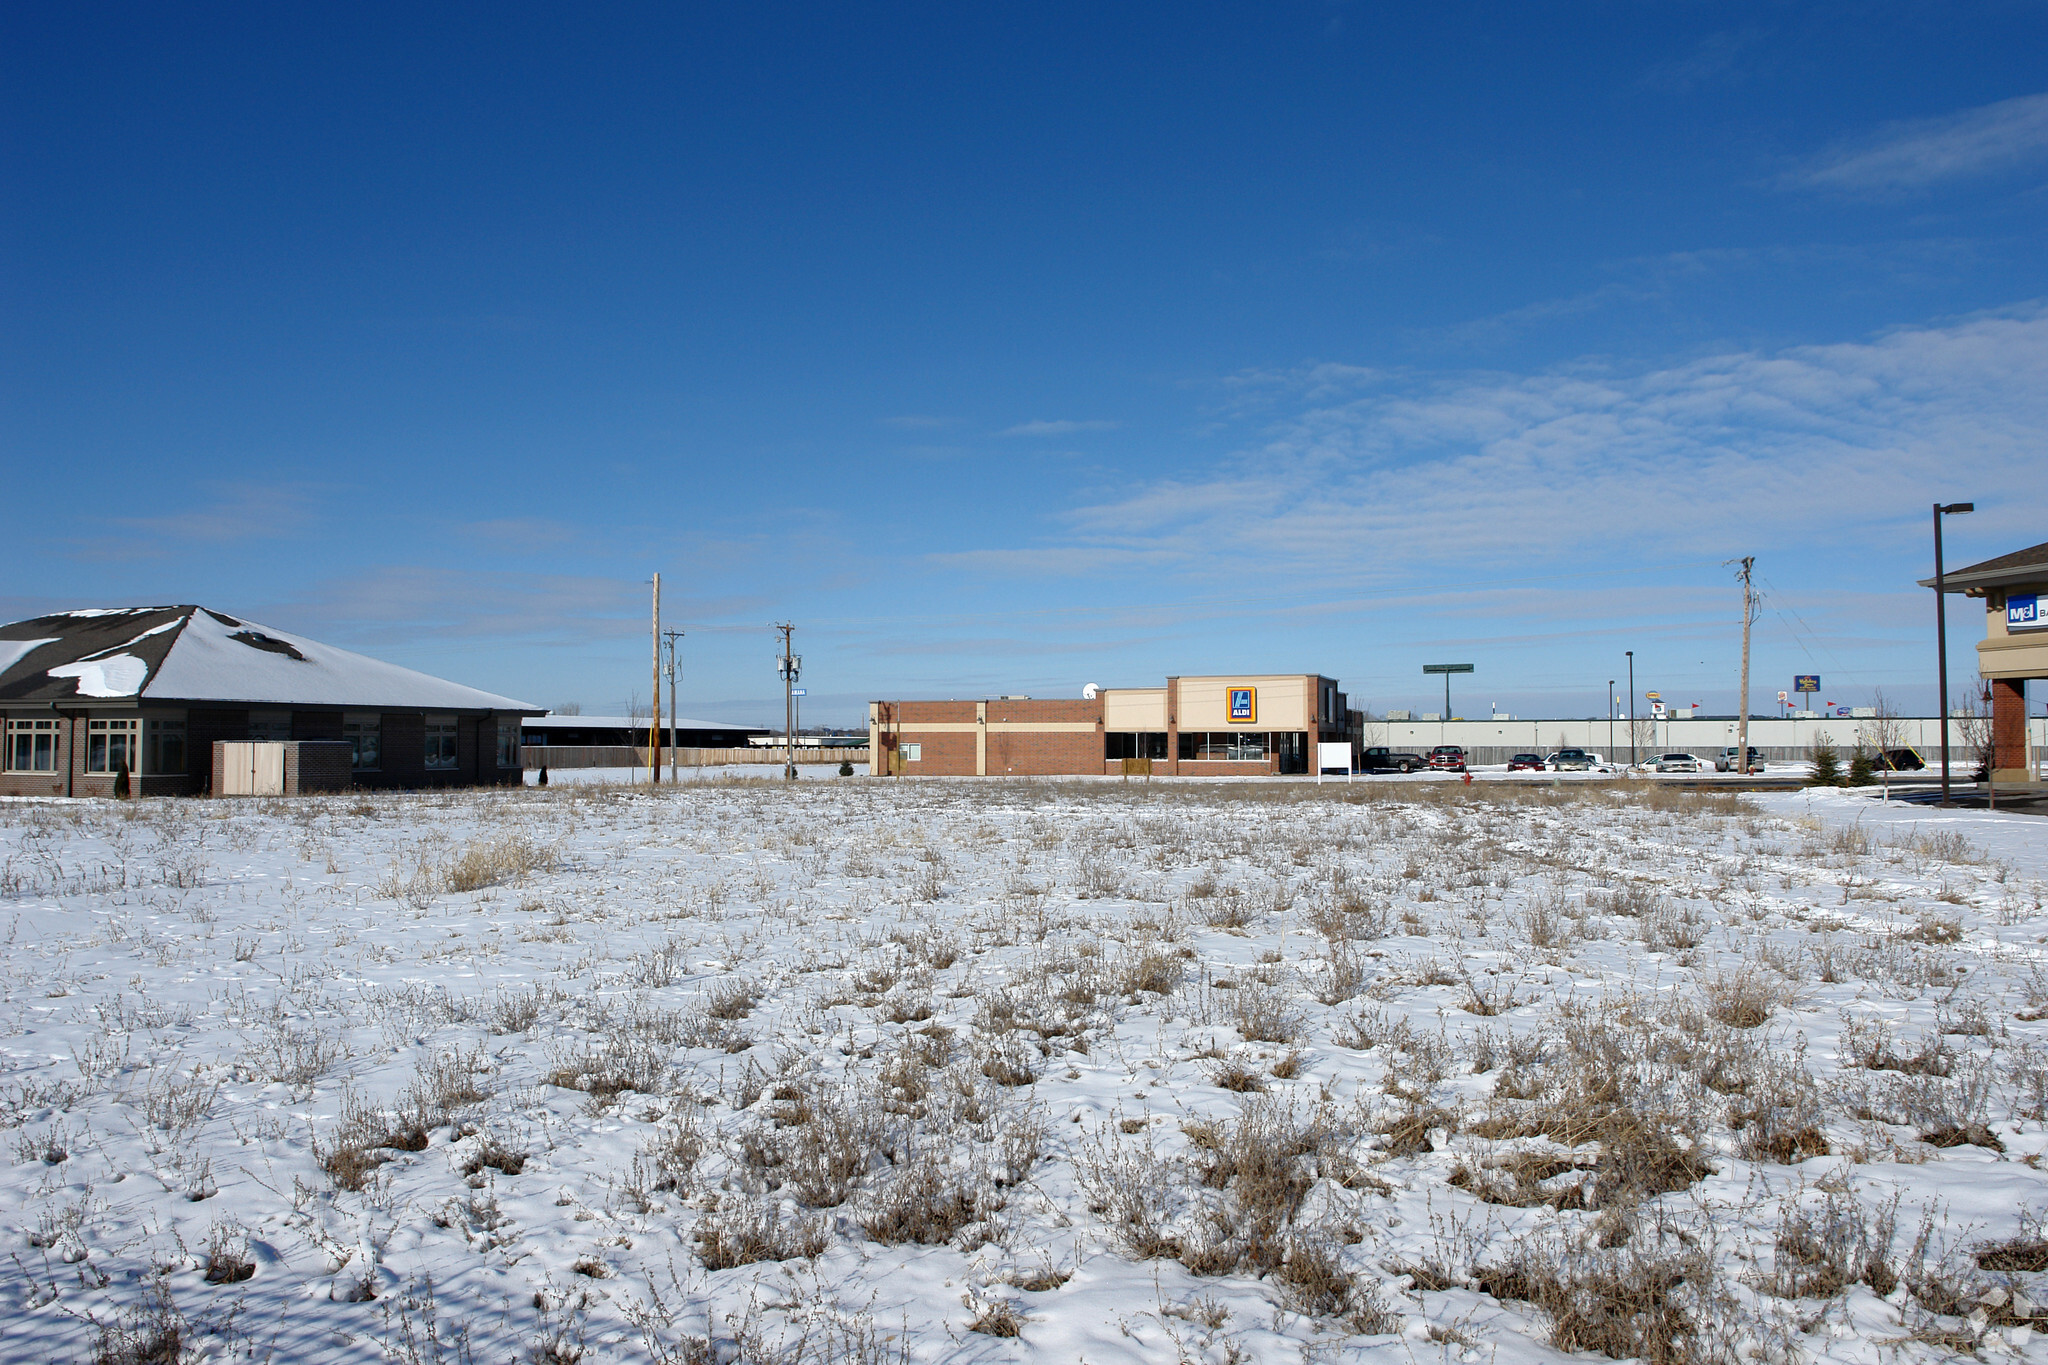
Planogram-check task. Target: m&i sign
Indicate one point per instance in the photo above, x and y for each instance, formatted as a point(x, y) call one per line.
point(2023, 611)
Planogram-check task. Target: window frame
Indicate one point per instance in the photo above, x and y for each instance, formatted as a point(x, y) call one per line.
point(30, 728)
point(509, 756)
point(357, 726)
point(437, 730)
point(156, 732)
point(101, 749)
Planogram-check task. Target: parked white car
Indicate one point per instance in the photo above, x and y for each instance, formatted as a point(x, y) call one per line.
point(1675, 763)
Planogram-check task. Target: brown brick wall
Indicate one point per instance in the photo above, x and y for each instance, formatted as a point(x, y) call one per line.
point(1039, 755)
point(946, 754)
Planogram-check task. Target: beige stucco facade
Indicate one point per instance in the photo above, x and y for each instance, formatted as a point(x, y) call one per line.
point(2004, 653)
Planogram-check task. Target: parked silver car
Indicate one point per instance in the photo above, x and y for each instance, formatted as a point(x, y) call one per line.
point(1675, 763)
point(1724, 762)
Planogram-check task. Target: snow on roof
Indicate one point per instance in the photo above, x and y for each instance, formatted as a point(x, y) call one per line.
point(191, 654)
point(629, 723)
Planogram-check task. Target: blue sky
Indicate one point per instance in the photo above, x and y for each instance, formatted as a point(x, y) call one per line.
point(1007, 348)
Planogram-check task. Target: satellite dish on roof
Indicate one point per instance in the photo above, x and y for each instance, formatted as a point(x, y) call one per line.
point(1091, 691)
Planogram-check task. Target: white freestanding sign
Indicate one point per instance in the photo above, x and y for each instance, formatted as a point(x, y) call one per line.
point(1333, 756)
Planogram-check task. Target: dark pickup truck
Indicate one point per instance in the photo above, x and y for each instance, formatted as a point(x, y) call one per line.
point(1388, 761)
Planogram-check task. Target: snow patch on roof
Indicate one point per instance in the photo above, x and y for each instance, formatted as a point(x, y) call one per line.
point(211, 661)
point(13, 652)
point(119, 675)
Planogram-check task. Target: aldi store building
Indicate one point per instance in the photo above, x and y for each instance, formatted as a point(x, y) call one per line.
point(1226, 725)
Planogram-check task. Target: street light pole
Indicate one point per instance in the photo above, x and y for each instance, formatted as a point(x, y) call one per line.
point(1953, 509)
point(1631, 708)
point(1610, 719)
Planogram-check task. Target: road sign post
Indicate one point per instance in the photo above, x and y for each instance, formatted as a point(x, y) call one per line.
point(1446, 670)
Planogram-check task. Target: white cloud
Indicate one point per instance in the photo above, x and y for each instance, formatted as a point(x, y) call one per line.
point(1057, 428)
point(1801, 447)
point(1906, 156)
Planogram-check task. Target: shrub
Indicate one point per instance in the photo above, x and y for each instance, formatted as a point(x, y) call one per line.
point(1861, 773)
point(845, 767)
point(1827, 764)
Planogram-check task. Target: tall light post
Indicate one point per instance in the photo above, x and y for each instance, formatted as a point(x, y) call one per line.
point(1631, 708)
point(1953, 509)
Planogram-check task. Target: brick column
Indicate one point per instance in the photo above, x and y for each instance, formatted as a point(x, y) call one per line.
point(981, 739)
point(2009, 730)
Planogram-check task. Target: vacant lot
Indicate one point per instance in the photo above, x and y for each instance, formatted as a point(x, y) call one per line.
point(871, 1071)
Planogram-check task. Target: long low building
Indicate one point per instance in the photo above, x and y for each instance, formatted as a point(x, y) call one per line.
point(629, 731)
point(1193, 726)
point(1774, 738)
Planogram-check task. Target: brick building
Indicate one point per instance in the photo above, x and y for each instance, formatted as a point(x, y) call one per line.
point(87, 694)
point(1192, 727)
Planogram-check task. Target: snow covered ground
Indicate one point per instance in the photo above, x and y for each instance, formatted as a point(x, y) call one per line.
point(927, 1070)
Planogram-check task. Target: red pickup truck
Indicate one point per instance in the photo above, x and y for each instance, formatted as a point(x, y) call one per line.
point(1448, 758)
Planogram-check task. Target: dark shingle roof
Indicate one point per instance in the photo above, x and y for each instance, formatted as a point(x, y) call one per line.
point(2021, 566)
point(191, 654)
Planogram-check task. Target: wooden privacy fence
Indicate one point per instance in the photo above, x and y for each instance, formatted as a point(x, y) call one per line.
point(630, 756)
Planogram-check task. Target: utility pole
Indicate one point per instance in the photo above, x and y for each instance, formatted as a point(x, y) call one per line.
point(1610, 720)
point(672, 636)
point(790, 666)
point(654, 722)
point(1742, 714)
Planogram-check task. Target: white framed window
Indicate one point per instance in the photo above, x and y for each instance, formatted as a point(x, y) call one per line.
point(508, 744)
point(32, 745)
point(913, 753)
point(365, 734)
point(441, 742)
point(111, 745)
point(166, 752)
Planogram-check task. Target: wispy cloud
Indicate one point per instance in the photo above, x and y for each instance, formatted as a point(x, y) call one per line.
point(237, 512)
point(1713, 61)
point(1913, 155)
point(520, 533)
point(1589, 463)
point(1058, 428)
point(401, 604)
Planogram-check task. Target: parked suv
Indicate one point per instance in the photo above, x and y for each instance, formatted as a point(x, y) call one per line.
point(1724, 762)
point(1447, 758)
point(1570, 760)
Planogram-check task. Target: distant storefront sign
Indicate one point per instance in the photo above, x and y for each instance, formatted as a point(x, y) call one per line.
point(2023, 611)
point(1244, 705)
point(1806, 682)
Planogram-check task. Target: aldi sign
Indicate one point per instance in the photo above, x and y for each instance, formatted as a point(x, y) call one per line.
point(2023, 611)
point(1244, 705)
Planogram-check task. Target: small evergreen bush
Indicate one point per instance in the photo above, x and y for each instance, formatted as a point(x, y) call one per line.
point(1861, 771)
point(1827, 764)
point(846, 767)
point(121, 783)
